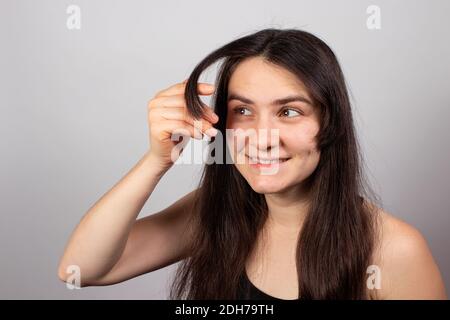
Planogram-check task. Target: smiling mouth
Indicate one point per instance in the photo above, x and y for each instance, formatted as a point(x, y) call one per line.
point(260, 162)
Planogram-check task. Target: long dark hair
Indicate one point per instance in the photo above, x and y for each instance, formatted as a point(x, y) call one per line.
point(338, 236)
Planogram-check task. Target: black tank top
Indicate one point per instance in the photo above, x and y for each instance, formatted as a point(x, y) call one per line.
point(248, 291)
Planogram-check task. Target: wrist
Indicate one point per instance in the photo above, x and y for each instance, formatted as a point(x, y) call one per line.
point(153, 161)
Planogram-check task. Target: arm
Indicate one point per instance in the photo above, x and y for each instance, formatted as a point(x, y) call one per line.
point(409, 270)
point(110, 246)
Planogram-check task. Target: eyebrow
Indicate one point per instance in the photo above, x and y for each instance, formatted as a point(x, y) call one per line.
point(279, 101)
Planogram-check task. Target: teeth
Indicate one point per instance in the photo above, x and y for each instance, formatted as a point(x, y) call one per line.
point(262, 161)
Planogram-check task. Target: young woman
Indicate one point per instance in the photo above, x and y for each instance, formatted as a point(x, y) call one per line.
point(310, 229)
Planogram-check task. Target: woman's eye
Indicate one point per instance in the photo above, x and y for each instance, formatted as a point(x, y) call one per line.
point(285, 112)
point(288, 112)
point(240, 110)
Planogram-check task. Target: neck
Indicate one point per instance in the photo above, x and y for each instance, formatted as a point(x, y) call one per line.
point(287, 209)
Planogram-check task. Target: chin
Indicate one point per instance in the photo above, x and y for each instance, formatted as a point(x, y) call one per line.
point(265, 190)
point(265, 184)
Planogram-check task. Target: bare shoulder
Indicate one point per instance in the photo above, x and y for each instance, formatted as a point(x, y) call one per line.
point(407, 267)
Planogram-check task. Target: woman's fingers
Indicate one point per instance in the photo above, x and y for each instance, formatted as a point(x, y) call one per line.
point(168, 128)
point(178, 101)
point(179, 88)
point(168, 115)
point(180, 114)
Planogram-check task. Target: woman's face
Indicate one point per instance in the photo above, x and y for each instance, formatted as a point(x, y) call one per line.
point(271, 129)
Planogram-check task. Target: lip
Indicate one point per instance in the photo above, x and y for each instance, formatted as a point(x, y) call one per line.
point(267, 165)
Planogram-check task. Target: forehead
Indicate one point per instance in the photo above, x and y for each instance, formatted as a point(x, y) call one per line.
point(257, 77)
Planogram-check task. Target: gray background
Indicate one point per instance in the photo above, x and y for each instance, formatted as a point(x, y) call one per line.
point(74, 107)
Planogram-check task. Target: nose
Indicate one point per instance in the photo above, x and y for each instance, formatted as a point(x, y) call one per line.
point(267, 138)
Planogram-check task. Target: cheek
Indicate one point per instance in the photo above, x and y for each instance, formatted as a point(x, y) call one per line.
point(300, 141)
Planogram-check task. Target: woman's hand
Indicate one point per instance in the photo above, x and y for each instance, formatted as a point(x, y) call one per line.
point(168, 115)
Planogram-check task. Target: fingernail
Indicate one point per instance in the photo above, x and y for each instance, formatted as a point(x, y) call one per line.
point(209, 85)
point(211, 132)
